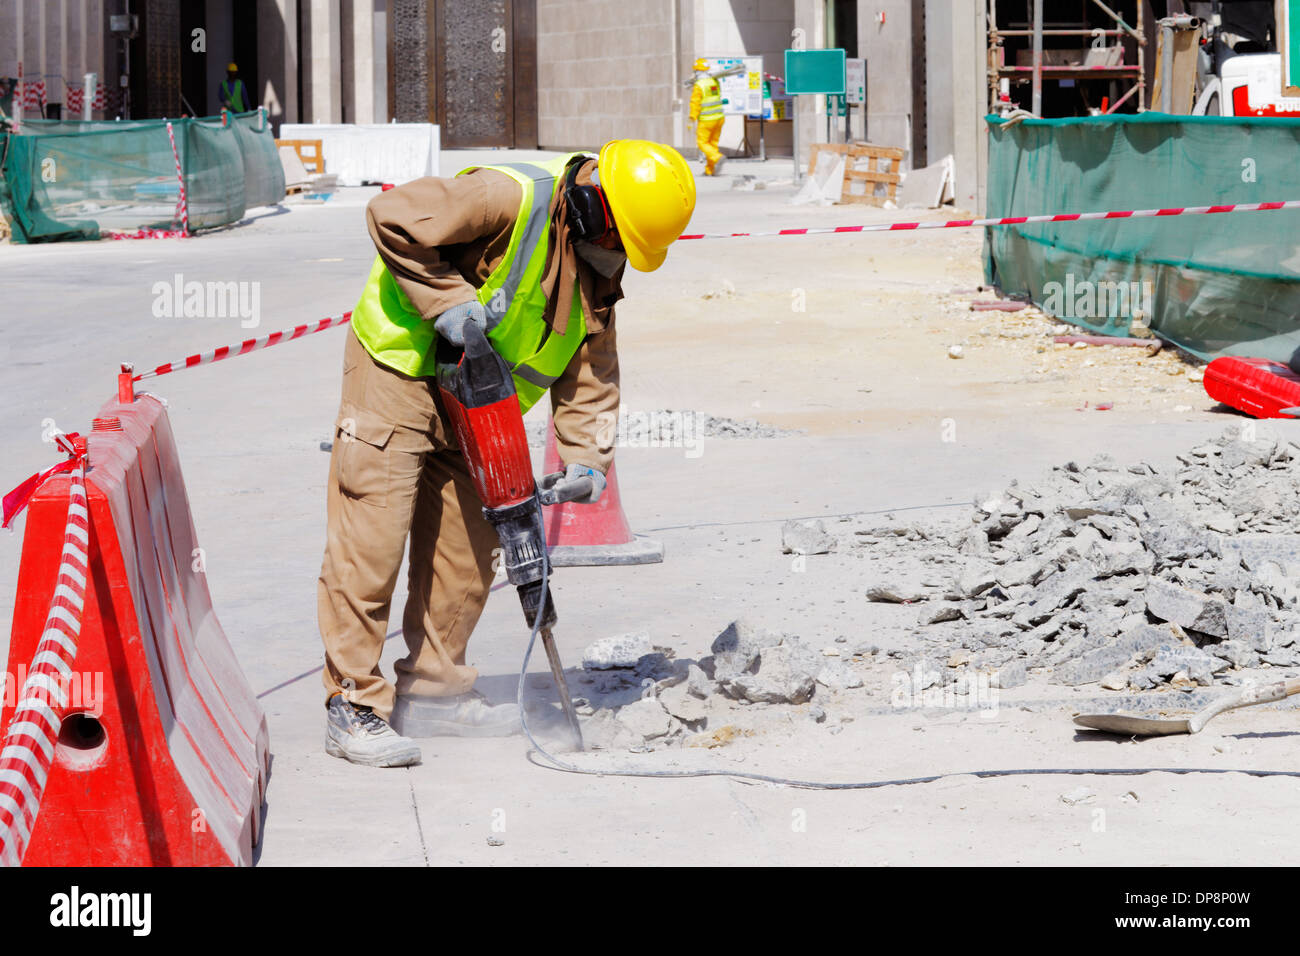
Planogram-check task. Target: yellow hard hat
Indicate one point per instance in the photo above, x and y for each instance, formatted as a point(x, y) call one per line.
point(701, 65)
point(651, 193)
point(232, 68)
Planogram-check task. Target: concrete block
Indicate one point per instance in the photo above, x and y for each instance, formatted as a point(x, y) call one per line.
point(1186, 608)
point(620, 650)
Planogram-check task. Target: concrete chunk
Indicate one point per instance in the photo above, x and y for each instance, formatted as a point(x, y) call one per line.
point(736, 649)
point(1101, 661)
point(786, 675)
point(806, 537)
point(621, 650)
point(1188, 609)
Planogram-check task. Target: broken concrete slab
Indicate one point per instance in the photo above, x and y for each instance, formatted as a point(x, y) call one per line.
point(620, 650)
point(897, 592)
point(646, 718)
point(786, 674)
point(683, 705)
point(736, 649)
point(1188, 609)
point(806, 536)
point(1102, 659)
point(838, 676)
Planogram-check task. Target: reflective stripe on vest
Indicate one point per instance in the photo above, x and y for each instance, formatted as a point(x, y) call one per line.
point(711, 104)
point(393, 332)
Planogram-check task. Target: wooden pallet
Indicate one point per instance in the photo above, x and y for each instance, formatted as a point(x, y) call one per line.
point(309, 153)
point(865, 181)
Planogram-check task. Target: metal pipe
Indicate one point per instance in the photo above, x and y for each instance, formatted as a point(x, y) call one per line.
point(1142, 63)
point(1037, 102)
point(1120, 102)
point(1166, 68)
point(1120, 20)
point(1061, 33)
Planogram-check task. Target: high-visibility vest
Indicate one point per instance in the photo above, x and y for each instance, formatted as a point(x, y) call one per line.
point(711, 104)
point(237, 95)
point(393, 332)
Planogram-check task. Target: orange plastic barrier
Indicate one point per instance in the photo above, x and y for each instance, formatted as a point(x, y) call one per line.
point(163, 755)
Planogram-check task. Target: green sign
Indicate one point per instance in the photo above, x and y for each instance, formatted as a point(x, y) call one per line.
point(1288, 42)
point(814, 71)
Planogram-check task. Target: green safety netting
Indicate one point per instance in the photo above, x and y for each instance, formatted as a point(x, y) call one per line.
point(1224, 284)
point(63, 179)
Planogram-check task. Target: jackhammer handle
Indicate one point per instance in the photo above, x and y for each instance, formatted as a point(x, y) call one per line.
point(553, 493)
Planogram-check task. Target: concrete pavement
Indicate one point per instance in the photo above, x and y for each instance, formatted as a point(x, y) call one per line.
point(249, 430)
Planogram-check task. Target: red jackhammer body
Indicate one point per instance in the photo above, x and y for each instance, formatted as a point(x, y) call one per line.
point(478, 394)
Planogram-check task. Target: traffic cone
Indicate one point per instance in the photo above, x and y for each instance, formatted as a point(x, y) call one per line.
point(591, 535)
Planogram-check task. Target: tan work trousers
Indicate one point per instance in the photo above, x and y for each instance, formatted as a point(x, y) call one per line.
point(395, 470)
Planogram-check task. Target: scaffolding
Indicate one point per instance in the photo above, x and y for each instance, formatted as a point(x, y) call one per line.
point(1076, 63)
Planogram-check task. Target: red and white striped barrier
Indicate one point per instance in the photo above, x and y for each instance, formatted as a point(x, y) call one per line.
point(34, 730)
point(34, 95)
point(248, 345)
point(182, 204)
point(1011, 220)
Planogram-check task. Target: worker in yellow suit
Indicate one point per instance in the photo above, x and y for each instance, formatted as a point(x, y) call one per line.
point(707, 114)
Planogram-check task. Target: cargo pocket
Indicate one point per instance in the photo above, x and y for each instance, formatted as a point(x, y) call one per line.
point(364, 459)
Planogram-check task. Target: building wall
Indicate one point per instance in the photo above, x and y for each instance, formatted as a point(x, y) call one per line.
point(277, 60)
point(56, 40)
point(888, 51)
point(604, 71)
point(322, 87)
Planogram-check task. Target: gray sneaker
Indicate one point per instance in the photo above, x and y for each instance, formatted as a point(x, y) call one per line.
point(465, 715)
point(361, 736)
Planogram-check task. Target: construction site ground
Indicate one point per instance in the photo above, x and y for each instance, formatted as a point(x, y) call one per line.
point(844, 339)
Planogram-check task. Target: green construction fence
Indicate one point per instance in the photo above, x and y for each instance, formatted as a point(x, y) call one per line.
point(63, 179)
point(1222, 284)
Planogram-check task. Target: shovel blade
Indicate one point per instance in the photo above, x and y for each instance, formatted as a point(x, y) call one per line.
point(1135, 726)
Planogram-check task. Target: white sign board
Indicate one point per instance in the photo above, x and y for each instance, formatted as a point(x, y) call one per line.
point(855, 80)
point(742, 91)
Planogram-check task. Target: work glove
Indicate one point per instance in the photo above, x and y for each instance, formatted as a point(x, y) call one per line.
point(451, 324)
point(557, 483)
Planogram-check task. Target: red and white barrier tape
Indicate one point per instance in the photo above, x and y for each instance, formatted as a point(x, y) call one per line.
point(148, 234)
point(248, 345)
point(252, 345)
point(1011, 220)
point(34, 728)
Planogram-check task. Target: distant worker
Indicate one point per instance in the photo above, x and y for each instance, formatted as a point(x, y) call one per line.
point(533, 254)
point(233, 94)
point(707, 115)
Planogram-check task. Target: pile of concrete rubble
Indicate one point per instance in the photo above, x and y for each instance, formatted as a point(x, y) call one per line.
point(637, 696)
point(1132, 577)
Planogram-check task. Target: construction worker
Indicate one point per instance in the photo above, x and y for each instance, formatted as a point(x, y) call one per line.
point(232, 92)
point(707, 115)
point(528, 252)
